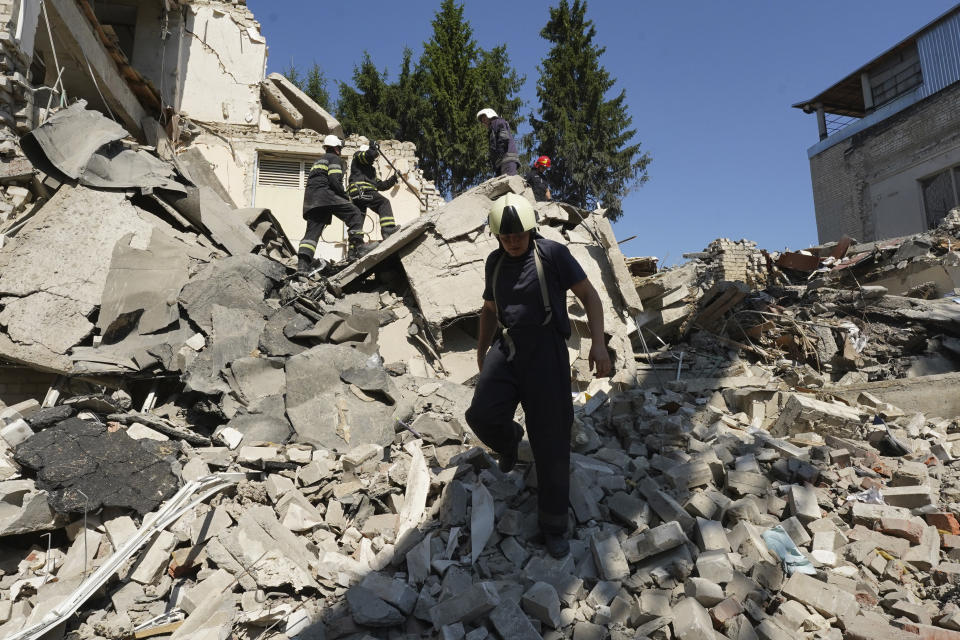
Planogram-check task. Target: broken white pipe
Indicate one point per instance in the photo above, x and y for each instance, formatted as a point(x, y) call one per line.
point(679, 365)
point(183, 501)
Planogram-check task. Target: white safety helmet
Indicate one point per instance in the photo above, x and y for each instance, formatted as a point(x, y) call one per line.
point(511, 213)
point(363, 148)
point(332, 141)
point(490, 113)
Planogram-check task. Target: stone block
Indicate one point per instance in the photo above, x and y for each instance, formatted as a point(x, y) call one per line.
point(542, 602)
point(609, 557)
point(466, 606)
point(370, 610)
point(154, 559)
point(715, 566)
point(657, 540)
point(691, 621)
point(827, 599)
point(392, 591)
point(706, 592)
point(711, 536)
point(510, 622)
point(909, 497)
point(803, 503)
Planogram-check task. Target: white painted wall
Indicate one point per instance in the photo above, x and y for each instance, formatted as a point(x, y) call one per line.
point(221, 66)
point(896, 200)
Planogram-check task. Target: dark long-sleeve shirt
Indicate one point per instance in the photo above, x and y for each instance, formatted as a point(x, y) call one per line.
point(325, 184)
point(502, 146)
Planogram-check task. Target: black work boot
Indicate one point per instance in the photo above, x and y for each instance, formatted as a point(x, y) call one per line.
point(507, 461)
point(556, 543)
point(388, 231)
point(360, 249)
point(303, 264)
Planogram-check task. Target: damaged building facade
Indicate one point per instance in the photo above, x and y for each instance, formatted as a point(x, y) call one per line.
point(887, 162)
point(186, 79)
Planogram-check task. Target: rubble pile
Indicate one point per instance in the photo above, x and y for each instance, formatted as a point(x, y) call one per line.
point(688, 520)
point(228, 449)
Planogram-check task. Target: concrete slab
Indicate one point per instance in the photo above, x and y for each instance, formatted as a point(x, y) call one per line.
point(48, 293)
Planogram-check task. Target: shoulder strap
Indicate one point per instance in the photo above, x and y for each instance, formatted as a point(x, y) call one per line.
point(547, 308)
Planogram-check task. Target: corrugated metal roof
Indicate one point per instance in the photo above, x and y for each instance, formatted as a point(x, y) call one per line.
point(939, 58)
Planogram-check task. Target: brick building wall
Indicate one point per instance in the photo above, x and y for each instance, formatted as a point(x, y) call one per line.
point(855, 180)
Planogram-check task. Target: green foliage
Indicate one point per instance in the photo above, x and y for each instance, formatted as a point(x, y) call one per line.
point(315, 86)
point(364, 109)
point(434, 103)
point(314, 83)
point(586, 134)
point(452, 150)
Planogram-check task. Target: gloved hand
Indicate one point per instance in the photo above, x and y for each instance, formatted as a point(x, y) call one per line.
point(392, 180)
point(374, 146)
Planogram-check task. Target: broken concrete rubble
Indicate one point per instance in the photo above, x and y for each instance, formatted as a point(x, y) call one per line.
point(774, 399)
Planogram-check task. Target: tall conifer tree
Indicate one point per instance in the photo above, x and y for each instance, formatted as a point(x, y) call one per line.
point(451, 150)
point(365, 107)
point(586, 135)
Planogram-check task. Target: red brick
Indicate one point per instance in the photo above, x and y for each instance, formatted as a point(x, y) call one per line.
point(902, 528)
point(944, 522)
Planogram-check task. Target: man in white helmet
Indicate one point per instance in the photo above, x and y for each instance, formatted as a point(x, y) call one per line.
point(503, 149)
point(324, 198)
point(523, 359)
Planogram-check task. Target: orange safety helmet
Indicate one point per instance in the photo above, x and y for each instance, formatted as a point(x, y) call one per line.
point(542, 161)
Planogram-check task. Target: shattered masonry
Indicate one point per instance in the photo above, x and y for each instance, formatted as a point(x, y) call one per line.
point(218, 448)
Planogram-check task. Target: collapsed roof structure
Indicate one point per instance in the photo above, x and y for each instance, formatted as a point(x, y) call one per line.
point(218, 448)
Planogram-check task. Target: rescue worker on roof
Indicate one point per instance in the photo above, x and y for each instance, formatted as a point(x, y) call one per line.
point(324, 198)
point(364, 187)
point(537, 181)
point(524, 316)
point(503, 150)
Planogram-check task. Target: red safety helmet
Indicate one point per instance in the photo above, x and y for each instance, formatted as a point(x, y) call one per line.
point(542, 161)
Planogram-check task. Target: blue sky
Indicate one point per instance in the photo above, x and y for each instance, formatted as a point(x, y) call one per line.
point(709, 85)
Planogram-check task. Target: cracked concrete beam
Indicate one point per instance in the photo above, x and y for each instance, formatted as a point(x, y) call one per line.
point(74, 31)
point(314, 116)
point(279, 103)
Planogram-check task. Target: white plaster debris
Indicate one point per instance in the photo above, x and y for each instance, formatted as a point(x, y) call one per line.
point(750, 395)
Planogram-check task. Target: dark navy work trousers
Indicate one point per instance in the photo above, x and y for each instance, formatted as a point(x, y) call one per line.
point(538, 379)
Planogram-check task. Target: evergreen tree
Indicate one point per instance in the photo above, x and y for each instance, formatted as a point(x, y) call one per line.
point(586, 135)
point(499, 84)
point(406, 104)
point(315, 86)
point(457, 79)
point(365, 107)
point(292, 74)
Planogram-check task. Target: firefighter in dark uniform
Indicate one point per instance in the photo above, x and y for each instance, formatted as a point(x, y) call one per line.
point(503, 149)
point(537, 181)
point(523, 359)
point(365, 187)
point(324, 198)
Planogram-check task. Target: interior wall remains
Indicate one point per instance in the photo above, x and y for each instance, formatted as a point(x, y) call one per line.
point(222, 63)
